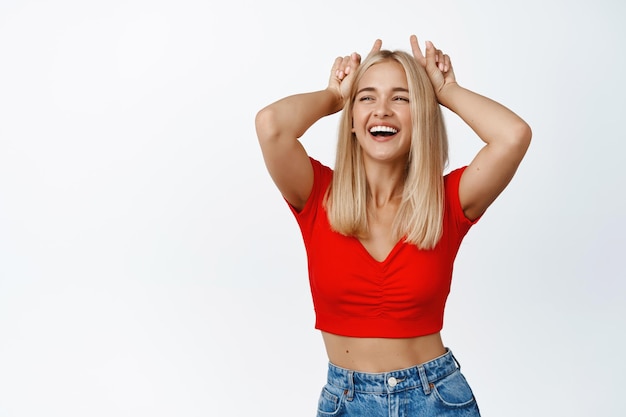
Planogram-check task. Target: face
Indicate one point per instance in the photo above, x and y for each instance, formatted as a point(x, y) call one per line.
point(381, 118)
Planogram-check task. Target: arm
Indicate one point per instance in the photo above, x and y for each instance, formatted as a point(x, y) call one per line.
point(281, 124)
point(505, 134)
point(506, 138)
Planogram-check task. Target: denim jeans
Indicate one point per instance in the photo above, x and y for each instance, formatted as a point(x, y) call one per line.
point(435, 388)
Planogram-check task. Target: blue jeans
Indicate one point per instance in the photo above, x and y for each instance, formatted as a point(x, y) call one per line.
point(435, 388)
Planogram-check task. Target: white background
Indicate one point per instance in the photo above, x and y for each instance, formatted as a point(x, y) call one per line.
point(148, 266)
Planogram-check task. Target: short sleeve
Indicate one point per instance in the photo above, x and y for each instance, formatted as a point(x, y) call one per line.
point(322, 176)
point(453, 202)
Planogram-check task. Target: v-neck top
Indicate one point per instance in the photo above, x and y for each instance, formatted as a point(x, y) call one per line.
point(357, 296)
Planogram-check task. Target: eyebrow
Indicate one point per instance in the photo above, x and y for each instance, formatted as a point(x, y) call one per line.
point(395, 89)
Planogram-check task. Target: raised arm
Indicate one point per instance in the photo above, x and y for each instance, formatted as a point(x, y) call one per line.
point(281, 124)
point(505, 134)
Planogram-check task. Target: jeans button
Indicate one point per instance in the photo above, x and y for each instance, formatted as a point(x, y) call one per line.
point(392, 382)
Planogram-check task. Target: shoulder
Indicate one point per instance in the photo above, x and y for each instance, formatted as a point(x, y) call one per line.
point(453, 178)
point(454, 209)
point(451, 182)
point(321, 171)
point(322, 177)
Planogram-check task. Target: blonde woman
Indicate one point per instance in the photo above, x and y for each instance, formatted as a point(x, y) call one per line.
point(383, 228)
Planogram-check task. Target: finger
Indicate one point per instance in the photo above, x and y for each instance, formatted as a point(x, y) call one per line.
point(417, 52)
point(431, 54)
point(353, 62)
point(337, 63)
point(440, 60)
point(344, 67)
point(345, 64)
point(336, 67)
point(376, 47)
point(447, 64)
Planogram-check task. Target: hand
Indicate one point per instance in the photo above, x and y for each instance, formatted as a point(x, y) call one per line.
point(437, 64)
point(341, 78)
point(341, 75)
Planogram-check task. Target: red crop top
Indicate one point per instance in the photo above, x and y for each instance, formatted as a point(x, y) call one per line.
point(355, 295)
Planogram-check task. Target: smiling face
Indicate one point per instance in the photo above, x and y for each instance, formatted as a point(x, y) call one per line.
point(381, 114)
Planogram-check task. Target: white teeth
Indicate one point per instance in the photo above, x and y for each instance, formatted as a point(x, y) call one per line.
point(379, 129)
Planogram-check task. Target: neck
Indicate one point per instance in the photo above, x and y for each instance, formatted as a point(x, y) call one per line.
point(385, 181)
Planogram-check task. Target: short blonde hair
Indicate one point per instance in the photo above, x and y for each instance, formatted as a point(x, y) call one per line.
point(420, 216)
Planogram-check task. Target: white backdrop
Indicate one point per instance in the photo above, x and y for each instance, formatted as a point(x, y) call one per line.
point(148, 266)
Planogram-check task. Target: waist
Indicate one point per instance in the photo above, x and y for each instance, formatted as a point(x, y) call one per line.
point(395, 380)
point(381, 354)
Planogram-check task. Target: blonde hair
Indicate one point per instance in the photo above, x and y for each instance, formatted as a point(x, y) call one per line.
point(419, 219)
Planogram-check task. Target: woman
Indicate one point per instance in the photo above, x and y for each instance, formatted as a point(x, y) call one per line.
point(382, 229)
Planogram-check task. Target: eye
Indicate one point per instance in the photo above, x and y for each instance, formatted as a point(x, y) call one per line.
point(366, 98)
point(401, 98)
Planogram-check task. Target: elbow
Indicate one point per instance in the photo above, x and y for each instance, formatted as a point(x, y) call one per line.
point(520, 137)
point(266, 125)
point(525, 133)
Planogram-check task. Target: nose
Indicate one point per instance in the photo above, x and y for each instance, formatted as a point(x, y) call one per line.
point(382, 109)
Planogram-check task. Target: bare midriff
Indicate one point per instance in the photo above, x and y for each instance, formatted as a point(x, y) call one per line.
point(381, 354)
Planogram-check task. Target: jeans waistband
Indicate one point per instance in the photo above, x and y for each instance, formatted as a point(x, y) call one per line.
point(387, 382)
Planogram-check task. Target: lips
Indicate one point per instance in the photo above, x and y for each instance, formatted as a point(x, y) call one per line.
point(382, 132)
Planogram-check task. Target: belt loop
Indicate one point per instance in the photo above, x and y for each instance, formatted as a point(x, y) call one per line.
point(350, 385)
point(424, 379)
